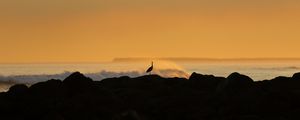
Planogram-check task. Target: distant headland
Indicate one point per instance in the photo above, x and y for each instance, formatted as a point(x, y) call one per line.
point(191, 59)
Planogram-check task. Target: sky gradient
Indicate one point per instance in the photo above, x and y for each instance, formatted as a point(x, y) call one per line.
point(100, 30)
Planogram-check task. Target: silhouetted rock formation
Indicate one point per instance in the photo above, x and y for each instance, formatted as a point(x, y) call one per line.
point(18, 89)
point(296, 76)
point(151, 97)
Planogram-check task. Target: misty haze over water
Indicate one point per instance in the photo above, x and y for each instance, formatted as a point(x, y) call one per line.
point(258, 70)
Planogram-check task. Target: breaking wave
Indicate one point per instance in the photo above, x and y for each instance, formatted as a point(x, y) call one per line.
point(29, 79)
point(162, 68)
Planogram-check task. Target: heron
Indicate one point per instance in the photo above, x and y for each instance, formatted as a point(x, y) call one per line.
point(150, 68)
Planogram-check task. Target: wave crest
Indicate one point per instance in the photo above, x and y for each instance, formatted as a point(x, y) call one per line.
point(30, 79)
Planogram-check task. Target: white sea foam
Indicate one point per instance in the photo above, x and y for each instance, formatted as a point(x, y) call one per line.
point(29, 79)
point(32, 73)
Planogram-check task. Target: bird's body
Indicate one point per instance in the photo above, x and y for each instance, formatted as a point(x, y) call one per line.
point(150, 69)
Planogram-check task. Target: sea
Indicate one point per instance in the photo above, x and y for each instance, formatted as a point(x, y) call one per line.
point(11, 74)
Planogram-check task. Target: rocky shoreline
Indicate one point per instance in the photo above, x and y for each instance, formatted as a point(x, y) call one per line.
point(151, 97)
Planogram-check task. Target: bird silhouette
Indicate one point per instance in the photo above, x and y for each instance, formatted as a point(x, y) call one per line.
point(150, 68)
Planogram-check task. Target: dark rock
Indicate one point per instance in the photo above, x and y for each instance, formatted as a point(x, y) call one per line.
point(151, 97)
point(204, 82)
point(235, 83)
point(18, 89)
point(281, 79)
point(53, 116)
point(296, 76)
point(77, 78)
point(196, 76)
point(237, 78)
point(77, 82)
point(50, 88)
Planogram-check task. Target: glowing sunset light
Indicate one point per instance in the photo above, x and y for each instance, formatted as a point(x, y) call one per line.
point(93, 31)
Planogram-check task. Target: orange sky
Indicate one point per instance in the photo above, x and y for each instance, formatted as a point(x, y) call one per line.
point(100, 30)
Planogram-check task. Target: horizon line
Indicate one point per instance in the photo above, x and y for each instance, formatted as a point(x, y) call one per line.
point(200, 59)
point(125, 59)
